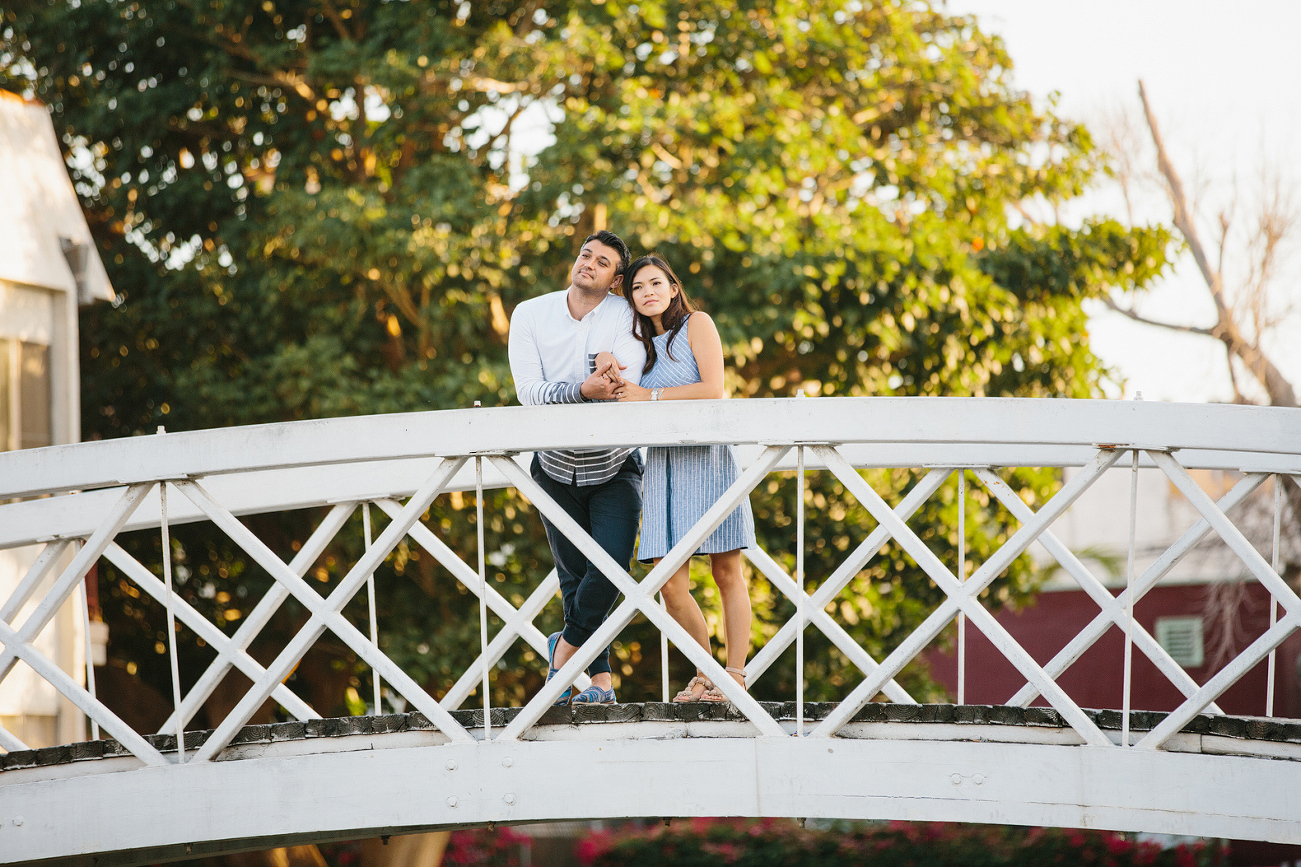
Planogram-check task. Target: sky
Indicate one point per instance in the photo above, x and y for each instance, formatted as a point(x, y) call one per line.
point(1225, 82)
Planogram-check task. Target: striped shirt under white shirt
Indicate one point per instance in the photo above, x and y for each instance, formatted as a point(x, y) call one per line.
point(551, 353)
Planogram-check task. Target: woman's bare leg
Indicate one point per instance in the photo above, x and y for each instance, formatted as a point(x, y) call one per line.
point(730, 578)
point(683, 608)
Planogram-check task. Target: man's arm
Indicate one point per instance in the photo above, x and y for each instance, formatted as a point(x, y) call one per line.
point(530, 382)
point(526, 368)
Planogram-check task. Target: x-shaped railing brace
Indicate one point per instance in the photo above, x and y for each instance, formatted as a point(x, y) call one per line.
point(962, 596)
point(206, 630)
point(18, 643)
point(516, 622)
point(36, 573)
point(257, 619)
point(326, 613)
point(641, 596)
point(814, 605)
point(1114, 608)
point(1258, 649)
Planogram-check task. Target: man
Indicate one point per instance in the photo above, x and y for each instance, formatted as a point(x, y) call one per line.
point(554, 340)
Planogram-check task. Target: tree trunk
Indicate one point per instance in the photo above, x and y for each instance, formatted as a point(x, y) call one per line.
point(1226, 328)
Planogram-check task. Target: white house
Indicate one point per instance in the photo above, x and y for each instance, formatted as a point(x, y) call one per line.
point(48, 267)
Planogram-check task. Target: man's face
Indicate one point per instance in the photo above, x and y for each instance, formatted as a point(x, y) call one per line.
point(594, 269)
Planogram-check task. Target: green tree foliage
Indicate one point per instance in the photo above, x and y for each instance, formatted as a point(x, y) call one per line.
point(329, 207)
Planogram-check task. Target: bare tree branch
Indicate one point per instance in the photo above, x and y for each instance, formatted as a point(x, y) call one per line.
point(1238, 396)
point(1240, 327)
point(1183, 216)
point(339, 27)
point(1226, 329)
point(1138, 317)
point(1226, 222)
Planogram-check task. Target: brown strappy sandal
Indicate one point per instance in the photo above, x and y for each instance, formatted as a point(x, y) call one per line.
point(689, 694)
point(714, 694)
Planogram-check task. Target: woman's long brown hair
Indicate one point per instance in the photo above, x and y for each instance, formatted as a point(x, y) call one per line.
point(673, 318)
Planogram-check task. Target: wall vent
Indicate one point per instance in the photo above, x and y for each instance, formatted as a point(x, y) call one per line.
point(1181, 637)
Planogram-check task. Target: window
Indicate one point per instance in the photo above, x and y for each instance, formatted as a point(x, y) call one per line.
point(26, 420)
point(1181, 637)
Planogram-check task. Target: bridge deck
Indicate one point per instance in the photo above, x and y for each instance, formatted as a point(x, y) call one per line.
point(1218, 734)
point(1192, 771)
point(278, 784)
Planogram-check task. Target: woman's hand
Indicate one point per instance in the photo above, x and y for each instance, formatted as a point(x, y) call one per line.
point(626, 391)
point(608, 366)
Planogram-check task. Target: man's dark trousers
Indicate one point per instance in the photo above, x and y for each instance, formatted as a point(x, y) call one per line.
point(610, 512)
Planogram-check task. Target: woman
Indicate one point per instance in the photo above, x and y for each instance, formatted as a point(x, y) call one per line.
point(684, 361)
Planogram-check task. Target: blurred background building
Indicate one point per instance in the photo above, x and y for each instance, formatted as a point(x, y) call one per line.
point(48, 268)
point(1203, 612)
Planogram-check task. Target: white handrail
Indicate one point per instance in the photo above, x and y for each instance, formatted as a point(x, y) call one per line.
point(384, 459)
point(917, 430)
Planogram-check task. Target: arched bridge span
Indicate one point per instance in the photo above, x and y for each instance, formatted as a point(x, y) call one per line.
point(137, 798)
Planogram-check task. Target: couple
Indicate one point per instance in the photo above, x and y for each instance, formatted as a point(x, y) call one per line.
point(585, 344)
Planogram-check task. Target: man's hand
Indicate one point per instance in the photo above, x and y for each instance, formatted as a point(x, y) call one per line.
point(598, 387)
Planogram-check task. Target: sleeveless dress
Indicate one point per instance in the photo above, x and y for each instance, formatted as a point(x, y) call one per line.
point(680, 483)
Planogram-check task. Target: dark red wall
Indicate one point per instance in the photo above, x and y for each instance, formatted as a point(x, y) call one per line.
point(1096, 678)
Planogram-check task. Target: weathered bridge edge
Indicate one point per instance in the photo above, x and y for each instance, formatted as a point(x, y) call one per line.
point(1235, 727)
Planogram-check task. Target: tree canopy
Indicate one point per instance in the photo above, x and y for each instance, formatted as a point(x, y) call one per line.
point(329, 207)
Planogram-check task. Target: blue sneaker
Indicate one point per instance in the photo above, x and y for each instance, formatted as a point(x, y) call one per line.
point(552, 640)
point(595, 695)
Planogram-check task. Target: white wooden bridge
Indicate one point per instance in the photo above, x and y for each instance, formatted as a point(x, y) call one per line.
point(133, 798)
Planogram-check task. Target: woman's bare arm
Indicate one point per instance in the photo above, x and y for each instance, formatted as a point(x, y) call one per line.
point(707, 347)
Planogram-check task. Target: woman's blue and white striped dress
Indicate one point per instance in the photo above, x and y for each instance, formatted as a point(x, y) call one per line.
point(680, 483)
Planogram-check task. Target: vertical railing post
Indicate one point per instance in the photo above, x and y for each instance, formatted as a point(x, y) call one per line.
point(1129, 604)
point(664, 656)
point(370, 594)
point(483, 599)
point(171, 621)
point(90, 662)
point(1273, 602)
point(799, 598)
point(962, 577)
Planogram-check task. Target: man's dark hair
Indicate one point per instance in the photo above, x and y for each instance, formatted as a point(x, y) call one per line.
point(610, 239)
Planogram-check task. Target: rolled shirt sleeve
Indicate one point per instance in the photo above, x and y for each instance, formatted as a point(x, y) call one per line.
point(526, 366)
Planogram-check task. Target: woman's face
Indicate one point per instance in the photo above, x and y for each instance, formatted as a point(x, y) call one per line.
point(652, 291)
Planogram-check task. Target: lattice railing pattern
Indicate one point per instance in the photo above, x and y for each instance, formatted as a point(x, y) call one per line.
point(103, 489)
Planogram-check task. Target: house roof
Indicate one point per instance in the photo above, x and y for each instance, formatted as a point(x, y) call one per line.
point(39, 210)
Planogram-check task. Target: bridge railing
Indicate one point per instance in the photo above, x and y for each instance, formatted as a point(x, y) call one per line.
point(79, 498)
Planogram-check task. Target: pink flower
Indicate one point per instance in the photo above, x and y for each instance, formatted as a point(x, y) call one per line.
point(593, 846)
point(729, 852)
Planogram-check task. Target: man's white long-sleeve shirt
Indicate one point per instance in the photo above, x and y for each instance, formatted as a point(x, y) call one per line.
point(552, 353)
